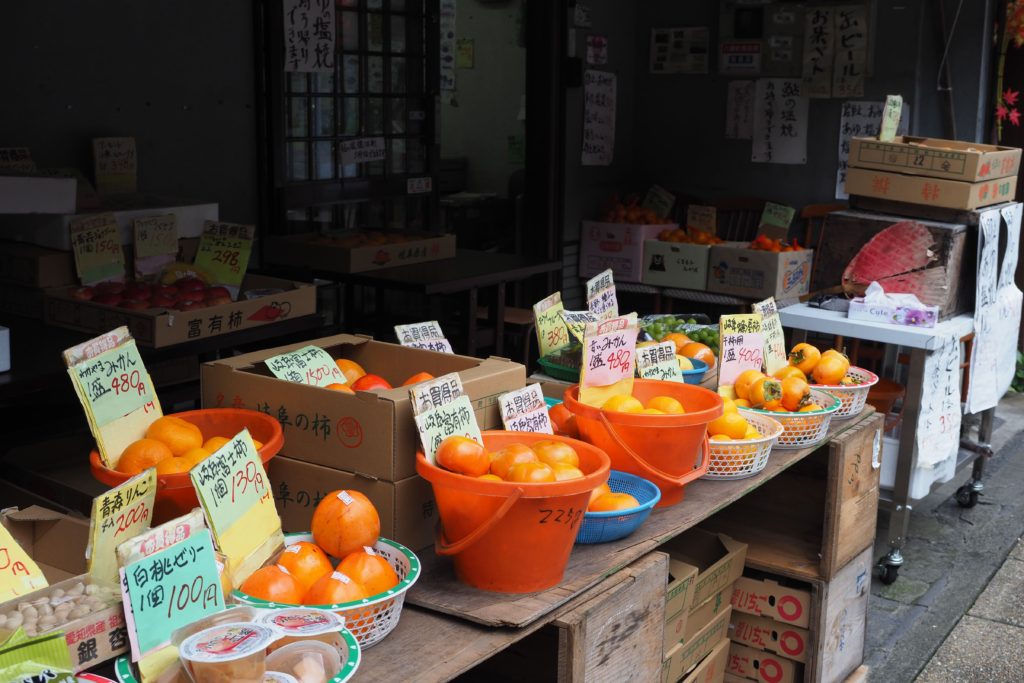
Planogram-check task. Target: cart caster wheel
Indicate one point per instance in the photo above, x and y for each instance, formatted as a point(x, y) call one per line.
point(966, 497)
point(888, 574)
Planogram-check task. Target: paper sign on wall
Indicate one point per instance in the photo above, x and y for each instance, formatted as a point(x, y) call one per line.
point(850, 65)
point(426, 335)
point(741, 346)
point(359, 150)
point(819, 51)
point(308, 365)
point(524, 410)
point(19, 574)
point(775, 356)
point(170, 589)
point(234, 492)
point(938, 422)
point(552, 333)
point(309, 35)
point(223, 253)
point(780, 122)
point(576, 322)
point(861, 119)
point(609, 359)
point(601, 299)
point(597, 49)
point(118, 515)
point(598, 118)
point(116, 165)
point(739, 110)
point(659, 361)
point(679, 50)
point(96, 244)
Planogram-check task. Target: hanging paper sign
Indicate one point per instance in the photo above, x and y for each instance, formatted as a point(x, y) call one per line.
point(223, 253)
point(309, 36)
point(659, 361)
point(601, 300)
point(19, 574)
point(118, 515)
point(938, 422)
point(891, 118)
point(741, 346)
point(609, 359)
point(982, 392)
point(552, 333)
point(308, 365)
point(576, 322)
point(451, 419)
point(116, 165)
point(525, 410)
point(96, 244)
point(771, 329)
point(235, 494)
point(1008, 300)
point(171, 589)
point(426, 335)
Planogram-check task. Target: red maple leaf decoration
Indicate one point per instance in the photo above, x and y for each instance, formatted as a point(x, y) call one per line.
point(1001, 111)
point(1015, 117)
point(1010, 96)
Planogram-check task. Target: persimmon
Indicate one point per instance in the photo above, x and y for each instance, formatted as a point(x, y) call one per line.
point(344, 521)
point(334, 588)
point(463, 455)
point(510, 455)
point(622, 403)
point(371, 570)
point(805, 357)
point(732, 425)
point(215, 443)
point(417, 378)
point(178, 435)
point(530, 473)
point(371, 383)
point(565, 471)
point(551, 452)
point(351, 369)
point(141, 455)
point(174, 465)
point(744, 381)
point(763, 391)
point(338, 386)
point(830, 370)
point(613, 501)
point(652, 411)
point(789, 371)
point(563, 421)
point(720, 437)
point(306, 562)
point(196, 456)
point(666, 404)
point(677, 338)
point(597, 492)
point(809, 408)
point(833, 353)
point(795, 392)
point(701, 352)
point(273, 584)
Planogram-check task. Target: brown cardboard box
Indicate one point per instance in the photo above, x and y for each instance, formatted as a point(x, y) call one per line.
point(735, 269)
point(619, 246)
point(370, 433)
point(762, 633)
point(949, 194)
point(719, 559)
point(684, 656)
point(702, 615)
point(936, 158)
point(769, 599)
point(57, 544)
point(310, 250)
point(766, 667)
point(31, 266)
point(679, 595)
point(407, 510)
point(675, 264)
point(712, 668)
point(160, 327)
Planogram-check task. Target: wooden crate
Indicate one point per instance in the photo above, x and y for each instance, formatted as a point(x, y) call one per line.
point(829, 516)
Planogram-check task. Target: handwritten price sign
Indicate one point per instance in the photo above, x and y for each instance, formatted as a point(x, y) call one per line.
point(771, 330)
point(426, 335)
point(308, 365)
point(609, 357)
point(938, 424)
point(741, 346)
point(156, 236)
point(659, 361)
point(525, 410)
point(576, 322)
point(19, 574)
point(96, 244)
point(223, 254)
point(170, 589)
point(117, 516)
point(552, 333)
point(114, 383)
point(601, 299)
point(455, 418)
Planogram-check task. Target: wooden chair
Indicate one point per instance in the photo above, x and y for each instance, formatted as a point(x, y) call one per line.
point(738, 217)
point(813, 216)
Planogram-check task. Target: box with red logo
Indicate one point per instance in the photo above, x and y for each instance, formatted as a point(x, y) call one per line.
point(350, 252)
point(936, 158)
point(914, 189)
point(762, 633)
point(735, 269)
point(766, 598)
point(619, 246)
point(765, 667)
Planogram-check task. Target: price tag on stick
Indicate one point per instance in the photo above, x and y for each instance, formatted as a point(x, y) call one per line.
point(156, 244)
point(609, 362)
point(741, 346)
point(426, 335)
point(525, 410)
point(601, 298)
point(96, 244)
point(117, 516)
point(308, 365)
point(659, 361)
point(576, 322)
point(223, 253)
point(552, 333)
point(442, 409)
point(775, 356)
point(19, 574)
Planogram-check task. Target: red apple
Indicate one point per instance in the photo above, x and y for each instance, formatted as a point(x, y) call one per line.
point(162, 301)
point(138, 291)
point(217, 300)
point(108, 299)
point(217, 292)
point(166, 290)
point(134, 304)
point(110, 288)
point(190, 305)
point(81, 293)
point(190, 284)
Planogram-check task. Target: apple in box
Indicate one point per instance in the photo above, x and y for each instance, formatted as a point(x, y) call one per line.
point(82, 293)
point(108, 299)
point(116, 288)
point(190, 305)
point(215, 296)
point(165, 290)
point(134, 304)
point(190, 284)
point(138, 291)
point(163, 301)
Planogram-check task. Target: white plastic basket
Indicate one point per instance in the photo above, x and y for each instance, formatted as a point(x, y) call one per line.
point(800, 430)
point(372, 618)
point(851, 396)
point(744, 457)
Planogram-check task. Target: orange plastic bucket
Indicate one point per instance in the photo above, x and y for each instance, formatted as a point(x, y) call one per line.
point(174, 493)
point(661, 448)
point(509, 537)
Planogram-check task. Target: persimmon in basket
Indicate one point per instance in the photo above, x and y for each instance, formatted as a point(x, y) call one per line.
point(344, 522)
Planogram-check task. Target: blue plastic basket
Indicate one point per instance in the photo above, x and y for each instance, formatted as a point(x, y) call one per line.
point(601, 527)
point(695, 376)
point(551, 402)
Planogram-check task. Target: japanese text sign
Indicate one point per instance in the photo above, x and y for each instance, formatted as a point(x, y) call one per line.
point(361, 150)
point(117, 516)
point(16, 159)
point(308, 365)
point(114, 383)
point(525, 410)
point(153, 540)
point(156, 236)
point(309, 35)
point(775, 356)
point(609, 362)
point(982, 392)
point(659, 361)
point(552, 333)
point(223, 253)
point(451, 419)
point(435, 393)
point(601, 300)
point(116, 165)
point(425, 335)
point(19, 574)
point(96, 244)
point(938, 423)
point(891, 118)
point(235, 494)
point(659, 200)
point(775, 220)
point(576, 322)
point(170, 589)
point(598, 147)
point(780, 122)
point(704, 218)
point(438, 345)
point(741, 346)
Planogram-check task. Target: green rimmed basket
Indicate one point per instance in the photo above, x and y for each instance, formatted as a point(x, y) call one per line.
point(369, 619)
point(558, 371)
point(801, 430)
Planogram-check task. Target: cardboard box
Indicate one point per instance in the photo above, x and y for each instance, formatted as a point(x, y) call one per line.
point(27, 194)
point(51, 230)
point(316, 251)
point(936, 158)
point(676, 264)
point(407, 510)
point(766, 667)
point(370, 433)
point(718, 558)
point(949, 194)
point(159, 327)
point(619, 246)
point(57, 544)
point(712, 668)
point(762, 633)
point(25, 301)
point(766, 598)
point(756, 274)
point(679, 595)
point(31, 266)
point(684, 656)
point(702, 615)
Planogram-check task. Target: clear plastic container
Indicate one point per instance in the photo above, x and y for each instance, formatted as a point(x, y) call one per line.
point(278, 677)
point(233, 614)
point(228, 652)
point(309, 661)
point(298, 624)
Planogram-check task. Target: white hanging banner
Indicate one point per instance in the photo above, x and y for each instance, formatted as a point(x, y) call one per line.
point(1008, 301)
point(982, 393)
point(938, 424)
